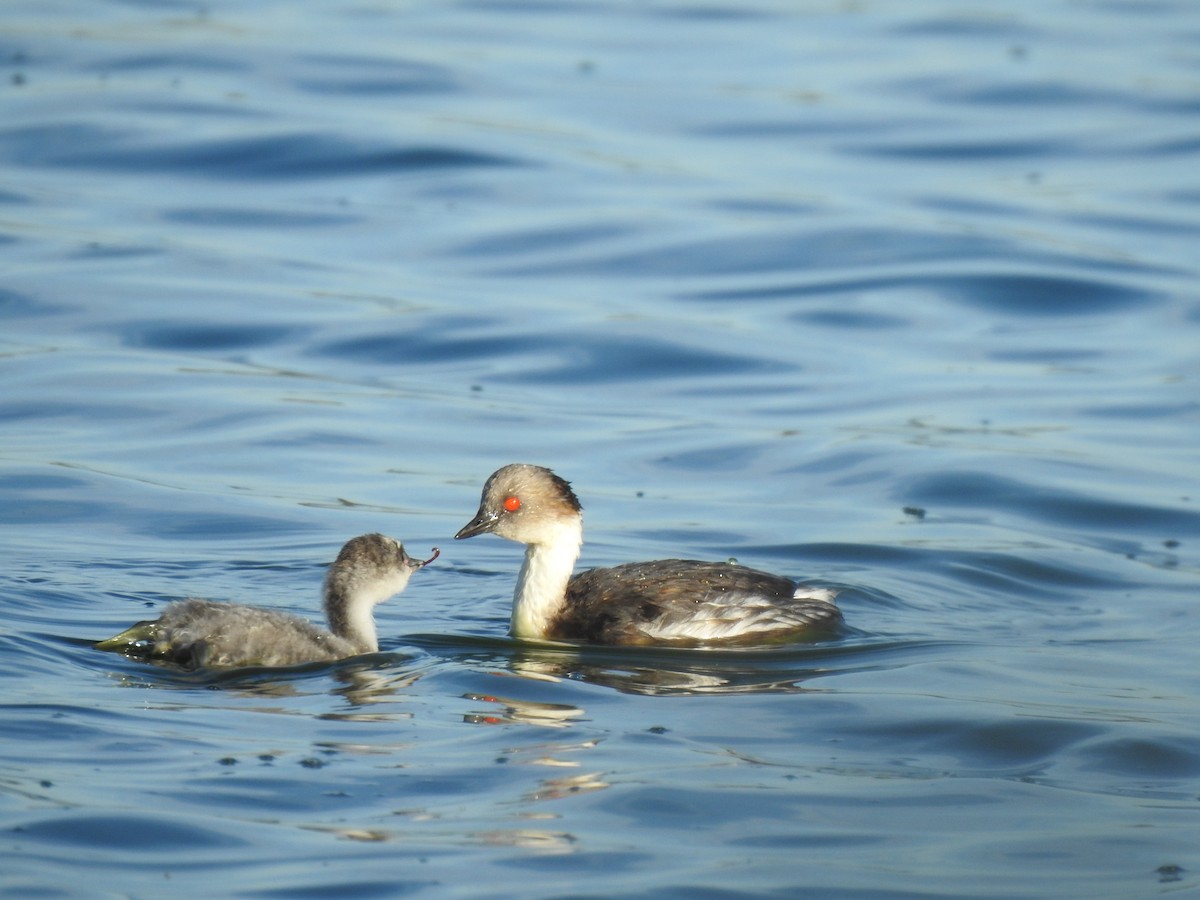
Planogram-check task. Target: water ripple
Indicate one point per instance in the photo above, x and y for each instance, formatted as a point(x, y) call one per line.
point(897, 298)
point(152, 835)
point(1035, 295)
point(985, 490)
point(360, 76)
point(287, 156)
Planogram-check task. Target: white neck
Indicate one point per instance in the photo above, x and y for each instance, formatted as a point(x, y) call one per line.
point(350, 608)
point(542, 584)
point(360, 625)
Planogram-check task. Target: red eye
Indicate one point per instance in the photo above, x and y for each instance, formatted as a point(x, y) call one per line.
point(512, 504)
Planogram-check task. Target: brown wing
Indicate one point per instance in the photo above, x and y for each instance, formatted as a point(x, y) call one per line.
point(685, 601)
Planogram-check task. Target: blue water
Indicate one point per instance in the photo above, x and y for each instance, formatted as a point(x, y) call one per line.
point(896, 297)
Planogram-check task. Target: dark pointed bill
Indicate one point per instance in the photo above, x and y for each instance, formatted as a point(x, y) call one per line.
point(479, 525)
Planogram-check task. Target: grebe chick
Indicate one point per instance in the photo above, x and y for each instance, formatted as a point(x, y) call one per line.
point(669, 601)
point(202, 633)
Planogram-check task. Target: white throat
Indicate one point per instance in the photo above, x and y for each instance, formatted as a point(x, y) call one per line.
point(351, 608)
point(542, 583)
point(360, 619)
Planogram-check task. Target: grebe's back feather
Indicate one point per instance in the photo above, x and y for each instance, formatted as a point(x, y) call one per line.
point(689, 601)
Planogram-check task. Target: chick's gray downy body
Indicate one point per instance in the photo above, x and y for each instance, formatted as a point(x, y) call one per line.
point(205, 633)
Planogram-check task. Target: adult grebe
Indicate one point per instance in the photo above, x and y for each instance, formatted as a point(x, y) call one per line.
point(201, 633)
point(669, 601)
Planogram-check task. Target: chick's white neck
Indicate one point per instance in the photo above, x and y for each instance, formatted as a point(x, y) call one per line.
point(542, 583)
point(350, 606)
point(361, 621)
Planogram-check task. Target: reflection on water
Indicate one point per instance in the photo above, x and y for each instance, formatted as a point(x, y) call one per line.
point(670, 671)
point(705, 676)
point(568, 786)
point(372, 688)
point(537, 840)
point(372, 680)
point(524, 712)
